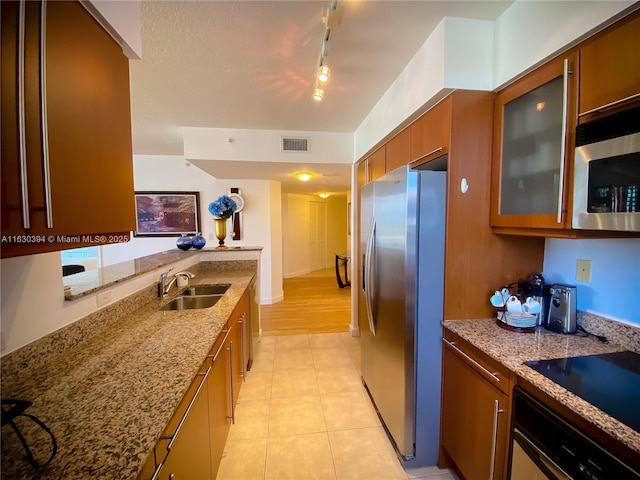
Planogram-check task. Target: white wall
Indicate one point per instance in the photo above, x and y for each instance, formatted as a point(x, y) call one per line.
point(264, 145)
point(529, 32)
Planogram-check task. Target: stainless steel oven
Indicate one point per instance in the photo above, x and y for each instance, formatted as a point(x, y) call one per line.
point(606, 183)
point(546, 446)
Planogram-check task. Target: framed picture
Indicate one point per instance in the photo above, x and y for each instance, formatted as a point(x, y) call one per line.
point(167, 214)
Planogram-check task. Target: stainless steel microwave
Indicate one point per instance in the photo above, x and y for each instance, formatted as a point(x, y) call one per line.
point(606, 183)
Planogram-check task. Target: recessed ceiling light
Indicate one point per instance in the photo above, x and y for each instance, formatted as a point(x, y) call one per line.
point(304, 176)
point(323, 195)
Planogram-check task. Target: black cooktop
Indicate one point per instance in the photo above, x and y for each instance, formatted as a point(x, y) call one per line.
point(609, 381)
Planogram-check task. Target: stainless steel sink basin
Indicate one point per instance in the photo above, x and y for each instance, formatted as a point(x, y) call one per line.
point(192, 302)
point(217, 289)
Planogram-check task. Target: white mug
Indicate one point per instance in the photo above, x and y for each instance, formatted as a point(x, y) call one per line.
point(514, 305)
point(531, 306)
point(497, 300)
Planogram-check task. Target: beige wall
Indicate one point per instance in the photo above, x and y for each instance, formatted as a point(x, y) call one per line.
point(295, 231)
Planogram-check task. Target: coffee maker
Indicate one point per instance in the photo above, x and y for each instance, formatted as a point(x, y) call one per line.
point(535, 287)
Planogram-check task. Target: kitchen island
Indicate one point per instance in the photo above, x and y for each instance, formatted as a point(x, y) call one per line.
point(108, 395)
point(512, 349)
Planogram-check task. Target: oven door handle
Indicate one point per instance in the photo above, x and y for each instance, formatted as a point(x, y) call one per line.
point(541, 459)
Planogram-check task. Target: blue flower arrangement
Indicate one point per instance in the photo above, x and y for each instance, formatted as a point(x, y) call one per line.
point(223, 207)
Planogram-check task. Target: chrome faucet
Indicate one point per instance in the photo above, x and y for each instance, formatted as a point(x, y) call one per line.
point(164, 286)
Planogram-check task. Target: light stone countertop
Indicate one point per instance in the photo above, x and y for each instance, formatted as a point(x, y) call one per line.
point(513, 349)
point(108, 397)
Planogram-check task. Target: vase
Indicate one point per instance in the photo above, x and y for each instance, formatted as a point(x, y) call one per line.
point(221, 231)
point(198, 241)
point(184, 242)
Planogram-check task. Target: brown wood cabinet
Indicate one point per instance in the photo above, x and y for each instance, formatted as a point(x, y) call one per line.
point(398, 150)
point(376, 164)
point(188, 452)
point(610, 68)
point(193, 441)
point(77, 180)
point(220, 404)
point(431, 133)
point(475, 411)
point(534, 130)
point(533, 148)
point(476, 260)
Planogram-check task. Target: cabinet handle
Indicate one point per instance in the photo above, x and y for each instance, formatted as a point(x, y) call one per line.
point(156, 472)
point(186, 413)
point(565, 89)
point(230, 349)
point(24, 204)
point(609, 105)
point(43, 111)
point(491, 375)
point(496, 410)
point(435, 150)
point(241, 322)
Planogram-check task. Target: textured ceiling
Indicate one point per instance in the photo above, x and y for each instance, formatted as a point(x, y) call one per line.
point(252, 64)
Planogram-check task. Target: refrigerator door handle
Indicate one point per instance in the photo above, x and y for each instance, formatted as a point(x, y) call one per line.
point(370, 274)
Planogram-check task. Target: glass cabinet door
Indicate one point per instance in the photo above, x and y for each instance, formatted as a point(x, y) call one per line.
point(532, 141)
point(534, 129)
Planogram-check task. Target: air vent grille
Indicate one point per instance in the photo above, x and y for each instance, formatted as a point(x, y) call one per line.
point(295, 144)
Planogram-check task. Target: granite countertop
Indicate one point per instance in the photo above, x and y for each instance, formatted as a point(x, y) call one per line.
point(108, 398)
point(513, 349)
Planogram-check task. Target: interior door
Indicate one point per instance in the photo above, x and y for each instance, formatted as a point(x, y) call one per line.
point(317, 236)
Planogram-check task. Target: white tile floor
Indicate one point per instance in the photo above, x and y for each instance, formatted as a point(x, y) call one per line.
point(303, 414)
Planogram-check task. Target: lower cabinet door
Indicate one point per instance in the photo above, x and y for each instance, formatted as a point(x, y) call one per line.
point(220, 406)
point(189, 456)
point(474, 423)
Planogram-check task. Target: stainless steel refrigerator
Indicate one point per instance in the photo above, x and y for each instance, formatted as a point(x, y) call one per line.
point(400, 306)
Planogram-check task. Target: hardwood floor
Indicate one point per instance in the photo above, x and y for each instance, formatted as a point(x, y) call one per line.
point(312, 303)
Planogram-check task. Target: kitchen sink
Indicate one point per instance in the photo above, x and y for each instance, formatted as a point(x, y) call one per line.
point(192, 302)
point(217, 289)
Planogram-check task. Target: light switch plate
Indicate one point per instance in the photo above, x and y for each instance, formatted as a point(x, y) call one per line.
point(583, 270)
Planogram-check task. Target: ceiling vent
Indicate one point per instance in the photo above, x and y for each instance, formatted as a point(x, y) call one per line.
point(295, 144)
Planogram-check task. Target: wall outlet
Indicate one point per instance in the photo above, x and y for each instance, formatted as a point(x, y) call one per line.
point(103, 298)
point(583, 270)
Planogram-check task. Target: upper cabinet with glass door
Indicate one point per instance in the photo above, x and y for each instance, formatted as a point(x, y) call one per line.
point(534, 125)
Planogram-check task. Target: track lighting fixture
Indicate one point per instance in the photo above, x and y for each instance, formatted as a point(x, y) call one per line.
point(323, 73)
point(318, 94)
point(331, 18)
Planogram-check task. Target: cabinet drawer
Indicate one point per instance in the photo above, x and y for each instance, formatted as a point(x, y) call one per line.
point(431, 133)
point(496, 373)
